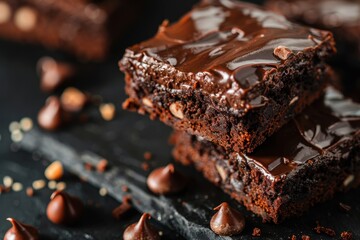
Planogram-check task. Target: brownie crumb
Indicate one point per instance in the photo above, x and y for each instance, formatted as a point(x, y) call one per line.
point(88, 167)
point(30, 192)
point(305, 237)
point(4, 189)
point(122, 209)
point(328, 231)
point(256, 232)
point(346, 235)
point(145, 166)
point(124, 188)
point(293, 237)
point(345, 207)
point(147, 156)
point(102, 165)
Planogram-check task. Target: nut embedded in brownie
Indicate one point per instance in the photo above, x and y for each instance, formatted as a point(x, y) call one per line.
point(86, 28)
point(309, 159)
point(228, 71)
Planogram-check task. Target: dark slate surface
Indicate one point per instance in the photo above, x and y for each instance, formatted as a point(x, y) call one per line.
point(123, 142)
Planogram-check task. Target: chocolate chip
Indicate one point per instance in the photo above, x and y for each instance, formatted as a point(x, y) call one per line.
point(20, 231)
point(123, 208)
point(64, 209)
point(141, 230)
point(53, 73)
point(176, 109)
point(166, 180)
point(227, 221)
point(256, 232)
point(282, 52)
point(50, 116)
point(73, 100)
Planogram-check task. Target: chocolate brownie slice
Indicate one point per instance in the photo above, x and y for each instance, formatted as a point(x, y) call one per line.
point(342, 17)
point(86, 28)
point(227, 71)
point(309, 159)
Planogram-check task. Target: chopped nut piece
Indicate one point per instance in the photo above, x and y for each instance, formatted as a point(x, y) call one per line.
point(25, 18)
point(147, 155)
point(282, 52)
point(8, 181)
point(14, 126)
point(345, 207)
point(221, 172)
point(147, 102)
point(17, 187)
point(177, 110)
point(38, 184)
point(26, 124)
point(5, 12)
point(122, 209)
point(16, 136)
point(145, 166)
point(256, 232)
point(328, 231)
point(107, 111)
point(52, 185)
point(60, 186)
point(54, 171)
point(73, 100)
point(103, 192)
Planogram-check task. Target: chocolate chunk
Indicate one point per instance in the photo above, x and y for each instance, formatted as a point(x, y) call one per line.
point(64, 209)
point(346, 235)
point(50, 116)
point(20, 231)
point(166, 180)
point(53, 73)
point(256, 232)
point(328, 231)
point(227, 221)
point(141, 230)
point(73, 100)
point(123, 208)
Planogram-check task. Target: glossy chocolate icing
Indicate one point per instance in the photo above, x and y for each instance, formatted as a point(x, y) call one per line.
point(317, 131)
point(227, 47)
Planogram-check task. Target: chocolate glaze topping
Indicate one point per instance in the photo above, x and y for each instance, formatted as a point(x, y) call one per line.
point(321, 127)
point(20, 231)
point(226, 46)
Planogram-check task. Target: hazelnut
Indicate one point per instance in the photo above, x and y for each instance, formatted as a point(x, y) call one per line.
point(176, 110)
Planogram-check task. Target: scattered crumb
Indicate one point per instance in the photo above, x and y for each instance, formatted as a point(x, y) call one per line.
point(14, 126)
point(256, 232)
point(147, 156)
point(305, 237)
point(122, 209)
point(346, 235)
point(161, 233)
point(124, 188)
point(293, 237)
point(26, 124)
point(52, 185)
point(328, 231)
point(107, 111)
point(60, 186)
point(88, 167)
point(29, 191)
point(17, 187)
point(102, 165)
point(38, 184)
point(73, 100)
point(345, 207)
point(54, 171)
point(103, 191)
point(8, 181)
point(145, 166)
point(4, 189)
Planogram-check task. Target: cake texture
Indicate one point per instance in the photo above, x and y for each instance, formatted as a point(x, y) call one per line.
point(85, 28)
point(227, 71)
point(312, 157)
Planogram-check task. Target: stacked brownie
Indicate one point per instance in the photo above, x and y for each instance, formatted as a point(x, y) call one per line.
point(230, 77)
point(86, 28)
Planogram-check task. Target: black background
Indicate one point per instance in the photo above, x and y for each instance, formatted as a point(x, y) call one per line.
point(20, 96)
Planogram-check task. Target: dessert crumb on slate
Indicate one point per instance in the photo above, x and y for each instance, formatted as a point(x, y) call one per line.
point(256, 232)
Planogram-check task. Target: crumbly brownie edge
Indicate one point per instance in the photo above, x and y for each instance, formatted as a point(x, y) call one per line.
point(296, 83)
point(272, 200)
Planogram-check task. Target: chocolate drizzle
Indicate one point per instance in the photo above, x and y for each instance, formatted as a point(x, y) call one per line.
point(321, 127)
point(228, 46)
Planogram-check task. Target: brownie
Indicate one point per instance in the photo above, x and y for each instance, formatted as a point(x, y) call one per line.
point(227, 71)
point(83, 27)
point(309, 159)
point(342, 17)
